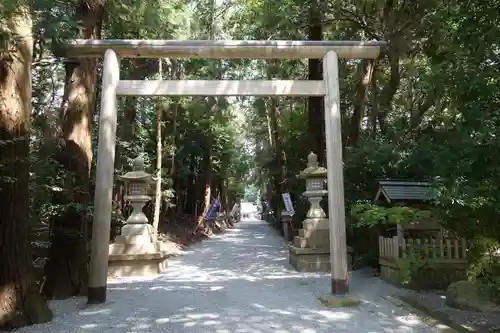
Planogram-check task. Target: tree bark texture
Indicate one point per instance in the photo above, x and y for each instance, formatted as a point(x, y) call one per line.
point(315, 107)
point(66, 270)
point(20, 300)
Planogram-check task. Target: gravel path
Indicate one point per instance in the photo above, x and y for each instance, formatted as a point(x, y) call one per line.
point(237, 282)
point(484, 322)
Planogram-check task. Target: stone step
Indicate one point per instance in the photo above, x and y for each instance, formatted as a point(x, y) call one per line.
point(310, 262)
point(300, 242)
point(316, 240)
point(137, 265)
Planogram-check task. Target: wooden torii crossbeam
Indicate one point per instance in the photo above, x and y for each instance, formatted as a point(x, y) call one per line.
point(112, 86)
point(225, 49)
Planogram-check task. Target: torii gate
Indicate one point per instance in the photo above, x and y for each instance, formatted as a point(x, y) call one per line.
point(112, 87)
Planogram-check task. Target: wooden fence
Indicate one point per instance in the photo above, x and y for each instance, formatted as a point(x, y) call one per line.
point(432, 248)
point(447, 257)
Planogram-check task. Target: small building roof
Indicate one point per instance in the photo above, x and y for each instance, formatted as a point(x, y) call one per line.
point(397, 190)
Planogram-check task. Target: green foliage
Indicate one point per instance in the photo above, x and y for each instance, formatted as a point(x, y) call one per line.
point(370, 215)
point(416, 261)
point(485, 262)
point(432, 112)
point(196, 129)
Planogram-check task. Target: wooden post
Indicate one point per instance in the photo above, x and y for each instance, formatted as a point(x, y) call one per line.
point(98, 273)
point(456, 253)
point(403, 248)
point(464, 248)
point(449, 254)
point(441, 242)
point(400, 232)
point(336, 213)
point(395, 244)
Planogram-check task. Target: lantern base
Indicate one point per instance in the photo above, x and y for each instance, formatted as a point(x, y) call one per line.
point(135, 254)
point(314, 234)
point(310, 251)
point(313, 260)
point(148, 264)
point(309, 260)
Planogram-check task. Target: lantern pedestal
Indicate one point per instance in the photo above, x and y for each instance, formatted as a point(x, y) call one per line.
point(310, 250)
point(135, 252)
point(142, 264)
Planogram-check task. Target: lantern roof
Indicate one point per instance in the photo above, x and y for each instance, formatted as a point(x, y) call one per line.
point(138, 171)
point(313, 169)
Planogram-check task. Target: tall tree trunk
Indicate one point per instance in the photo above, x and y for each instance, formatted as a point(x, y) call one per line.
point(190, 197)
point(127, 126)
point(278, 179)
point(364, 74)
point(129, 117)
point(20, 300)
point(390, 88)
point(173, 116)
point(159, 155)
point(374, 104)
point(315, 105)
point(207, 177)
point(174, 180)
point(212, 105)
point(223, 196)
point(206, 202)
point(127, 123)
point(270, 130)
point(66, 270)
point(174, 110)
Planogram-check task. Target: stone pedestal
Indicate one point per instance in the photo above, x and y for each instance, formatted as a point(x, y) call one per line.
point(310, 251)
point(135, 254)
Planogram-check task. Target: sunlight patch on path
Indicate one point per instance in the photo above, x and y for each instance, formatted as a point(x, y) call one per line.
point(237, 282)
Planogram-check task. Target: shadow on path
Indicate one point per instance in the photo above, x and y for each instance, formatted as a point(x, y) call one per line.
point(237, 282)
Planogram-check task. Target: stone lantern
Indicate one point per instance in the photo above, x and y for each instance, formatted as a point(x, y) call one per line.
point(315, 177)
point(310, 250)
point(137, 183)
point(135, 253)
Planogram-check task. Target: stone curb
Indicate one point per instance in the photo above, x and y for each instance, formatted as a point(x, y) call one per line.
point(429, 316)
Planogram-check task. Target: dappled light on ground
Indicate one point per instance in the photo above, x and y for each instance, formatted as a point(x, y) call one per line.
point(235, 282)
